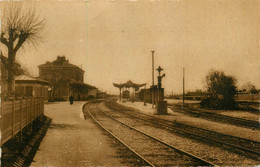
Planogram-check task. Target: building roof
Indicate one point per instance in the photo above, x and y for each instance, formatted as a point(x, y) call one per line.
point(59, 62)
point(81, 84)
point(129, 84)
point(27, 79)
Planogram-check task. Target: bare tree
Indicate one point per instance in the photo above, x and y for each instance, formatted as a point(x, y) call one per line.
point(19, 24)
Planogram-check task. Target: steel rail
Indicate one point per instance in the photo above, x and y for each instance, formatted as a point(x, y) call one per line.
point(239, 121)
point(172, 147)
point(199, 136)
point(161, 119)
point(215, 114)
point(137, 154)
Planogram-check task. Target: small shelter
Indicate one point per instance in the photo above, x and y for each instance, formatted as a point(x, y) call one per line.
point(126, 86)
point(31, 87)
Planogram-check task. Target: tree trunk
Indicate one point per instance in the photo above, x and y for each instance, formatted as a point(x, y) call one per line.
point(11, 69)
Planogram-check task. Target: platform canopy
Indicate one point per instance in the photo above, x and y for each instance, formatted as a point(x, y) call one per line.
point(77, 84)
point(129, 84)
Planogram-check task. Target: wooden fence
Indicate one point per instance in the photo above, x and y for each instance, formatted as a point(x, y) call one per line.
point(16, 114)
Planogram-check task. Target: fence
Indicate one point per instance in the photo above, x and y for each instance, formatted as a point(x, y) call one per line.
point(248, 97)
point(16, 114)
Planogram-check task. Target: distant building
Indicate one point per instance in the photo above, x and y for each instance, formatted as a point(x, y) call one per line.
point(93, 93)
point(66, 79)
point(31, 87)
point(101, 94)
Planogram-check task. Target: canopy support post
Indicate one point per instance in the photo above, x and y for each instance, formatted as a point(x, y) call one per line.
point(119, 94)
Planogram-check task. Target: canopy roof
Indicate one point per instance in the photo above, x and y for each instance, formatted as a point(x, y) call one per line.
point(129, 84)
point(82, 85)
point(27, 79)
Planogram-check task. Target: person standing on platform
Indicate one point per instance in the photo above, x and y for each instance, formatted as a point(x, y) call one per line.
point(71, 99)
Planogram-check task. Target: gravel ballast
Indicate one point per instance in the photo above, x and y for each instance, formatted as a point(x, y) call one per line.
point(204, 150)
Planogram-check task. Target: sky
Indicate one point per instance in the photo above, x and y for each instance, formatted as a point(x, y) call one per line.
point(112, 40)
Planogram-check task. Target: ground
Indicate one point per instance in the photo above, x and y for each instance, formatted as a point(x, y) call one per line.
point(73, 141)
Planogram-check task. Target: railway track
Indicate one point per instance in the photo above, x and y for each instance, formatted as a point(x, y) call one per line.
point(215, 117)
point(152, 151)
point(240, 145)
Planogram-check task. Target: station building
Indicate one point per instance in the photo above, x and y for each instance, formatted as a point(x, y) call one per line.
point(65, 79)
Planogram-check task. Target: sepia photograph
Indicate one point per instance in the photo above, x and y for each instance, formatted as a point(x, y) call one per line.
point(118, 83)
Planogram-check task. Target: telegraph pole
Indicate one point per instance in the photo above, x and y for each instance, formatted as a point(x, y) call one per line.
point(183, 93)
point(153, 78)
point(145, 95)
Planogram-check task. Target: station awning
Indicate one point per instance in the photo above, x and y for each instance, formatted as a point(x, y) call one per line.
point(129, 84)
point(82, 85)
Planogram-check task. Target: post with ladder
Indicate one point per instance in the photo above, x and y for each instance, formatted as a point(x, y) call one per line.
point(161, 104)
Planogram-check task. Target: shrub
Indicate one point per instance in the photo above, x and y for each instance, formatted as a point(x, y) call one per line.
point(221, 89)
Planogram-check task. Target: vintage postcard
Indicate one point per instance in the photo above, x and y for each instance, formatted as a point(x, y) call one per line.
point(130, 83)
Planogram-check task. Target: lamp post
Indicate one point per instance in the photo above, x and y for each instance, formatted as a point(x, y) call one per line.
point(152, 78)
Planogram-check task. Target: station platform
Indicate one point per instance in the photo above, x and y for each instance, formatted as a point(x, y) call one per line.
point(72, 140)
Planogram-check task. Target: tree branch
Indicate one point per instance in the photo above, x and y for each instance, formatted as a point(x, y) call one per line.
point(22, 39)
point(4, 40)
